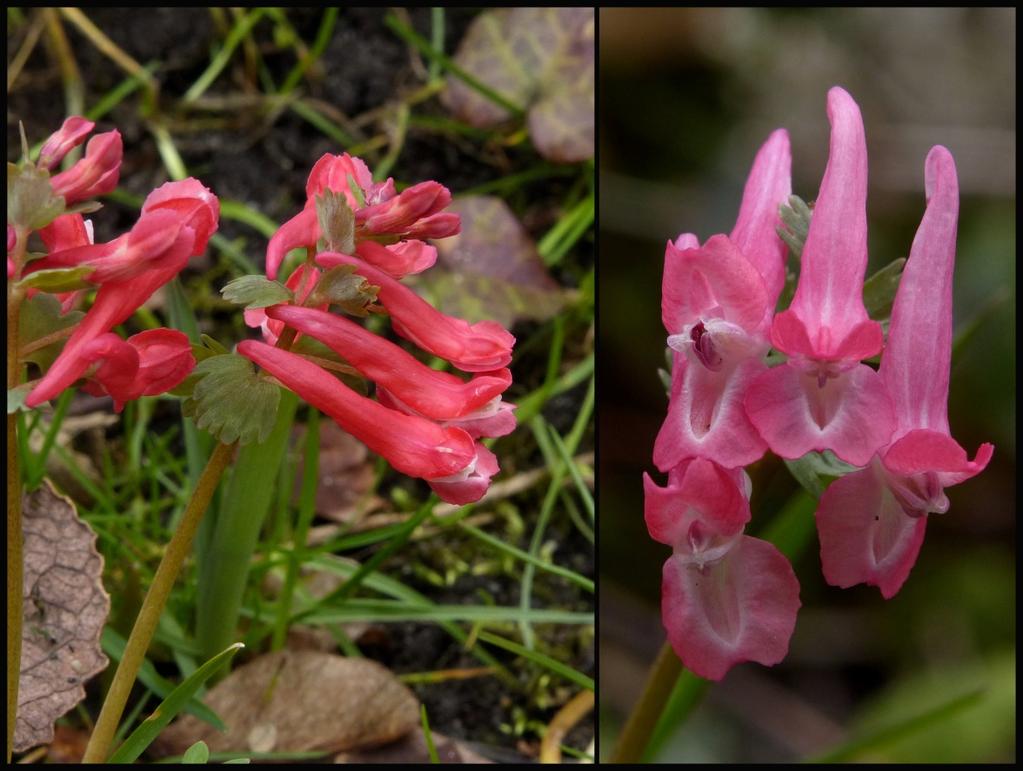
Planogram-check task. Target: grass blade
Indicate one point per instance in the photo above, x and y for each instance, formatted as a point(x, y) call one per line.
point(176, 701)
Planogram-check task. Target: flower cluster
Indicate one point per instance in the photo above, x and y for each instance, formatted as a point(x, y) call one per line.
point(426, 423)
point(727, 597)
point(176, 222)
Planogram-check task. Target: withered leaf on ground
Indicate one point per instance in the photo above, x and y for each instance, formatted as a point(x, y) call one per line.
point(541, 59)
point(491, 270)
point(344, 475)
point(412, 749)
point(295, 701)
point(64, 612)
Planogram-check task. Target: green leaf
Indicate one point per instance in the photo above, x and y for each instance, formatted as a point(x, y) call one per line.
point(814, 471)
point(337, 222)
point(151, 727)
point(795, 217)
point(879, 290)
point(343, 287)
point(197, 753)
point(231, 401)
point(59, 279)
point(40, 316)
point(16, 398)
point(31, 203)
point(256, 292)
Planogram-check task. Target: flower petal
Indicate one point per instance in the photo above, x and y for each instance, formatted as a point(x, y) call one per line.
point(413, 445)
point(302, 230)
point(479, 347)
point(915, 365)
point(706, 416)
point(850, 414)
point(829, 297)
point(865, 534)
point(741, 608)
point(755, 233)
point(712, 281)
point(920, 451)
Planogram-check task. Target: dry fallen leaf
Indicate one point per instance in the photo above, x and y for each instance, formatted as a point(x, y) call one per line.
point(412, 749)
point(541, 59)
point(65, 609)
point(297, 701)
point(491, 270)
point(345, 473)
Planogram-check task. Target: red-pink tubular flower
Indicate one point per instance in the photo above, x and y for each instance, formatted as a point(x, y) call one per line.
point(115, 302)
point(871, 523)
point(413, 214)
point(420, 389)
point(146, 364)
point(194, 203)
point(726, 598)
point(415, 446)
point(71, 134)
point(469, 484)
point(827, 321)
point(95, 174)
point(479, 347)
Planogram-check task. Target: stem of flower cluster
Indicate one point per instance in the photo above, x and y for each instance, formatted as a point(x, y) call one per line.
point(15, 568)
point(152, 607)
point(641, 723)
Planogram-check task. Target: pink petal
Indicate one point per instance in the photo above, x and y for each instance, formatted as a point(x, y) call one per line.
point(398, 214)
point(65, 232)
point(755, 233)
point(331, 172)
point(712, 281)
point(469, 485)
point(72, 133)
point(865, 534)
point(479, 347)
point(922, 451)
point(302, 230)
point(698, 491)
point(400, 259)
point(115, 302)
point(850, 414)
point(413, 445)
point(741, 608)
point(706, 416)
point(915, 364)
point(193, 202)
point(94, 174)
point(118, 368)
point(829, 297)
point(165, 359)
point(430, 393)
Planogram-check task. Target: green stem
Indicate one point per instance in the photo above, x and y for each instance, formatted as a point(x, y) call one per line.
point(152, 607)
point(641, 723)
point(14, 537)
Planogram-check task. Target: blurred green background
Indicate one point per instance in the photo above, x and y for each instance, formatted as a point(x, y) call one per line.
point(686, 97)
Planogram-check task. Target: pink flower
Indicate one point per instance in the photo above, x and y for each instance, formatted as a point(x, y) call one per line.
point(457, 467)
point(716, 304)
point(146, 364)
point(71, 134)
point(726, 597)
point(95, 174)
point(405, 383)
point(174, 219)
point(823, 398)
point(479, 347)
point(413, 214)
point(871, 523)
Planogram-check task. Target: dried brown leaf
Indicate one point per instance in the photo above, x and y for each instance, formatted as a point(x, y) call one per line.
point(297, 701)
point(491, 269)
point(541, 59)
point(412, 749)
point(65, 609)
point(344, 475)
